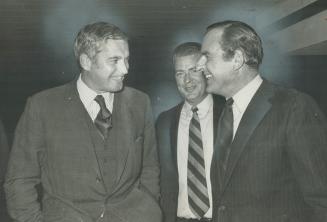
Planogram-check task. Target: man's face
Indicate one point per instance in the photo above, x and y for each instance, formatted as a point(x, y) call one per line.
point(218, 72)
point(190, 83)
point(109, 67)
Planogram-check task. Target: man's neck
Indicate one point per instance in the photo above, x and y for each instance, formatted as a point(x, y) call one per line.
point(244, 78)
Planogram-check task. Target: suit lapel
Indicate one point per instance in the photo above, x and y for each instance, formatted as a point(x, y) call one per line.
point(76, 109)
point(255, 112)
point(122, 132)
point(174, 132)
point(82, 122)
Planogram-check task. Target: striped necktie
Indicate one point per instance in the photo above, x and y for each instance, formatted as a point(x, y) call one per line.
point(103, 119)
point(196, 177)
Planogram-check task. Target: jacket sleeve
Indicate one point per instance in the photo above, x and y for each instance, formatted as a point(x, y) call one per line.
point(23, 172)
point(150, 170)
point(307, 150)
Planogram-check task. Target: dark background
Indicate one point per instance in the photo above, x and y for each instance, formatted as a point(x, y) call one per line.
point(36, 45)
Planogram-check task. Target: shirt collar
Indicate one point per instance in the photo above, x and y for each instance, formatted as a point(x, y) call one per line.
point(203, 107)
point(243, 97)
point(87, 95)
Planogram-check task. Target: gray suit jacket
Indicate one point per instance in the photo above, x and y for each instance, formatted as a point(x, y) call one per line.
point(277, 168)
point(83, 177)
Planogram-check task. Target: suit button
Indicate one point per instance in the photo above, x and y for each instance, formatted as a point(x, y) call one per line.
point(98, 180)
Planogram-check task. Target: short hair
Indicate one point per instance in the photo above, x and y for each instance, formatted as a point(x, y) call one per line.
point(187, 49)
point(238, 35)
point(90, 36)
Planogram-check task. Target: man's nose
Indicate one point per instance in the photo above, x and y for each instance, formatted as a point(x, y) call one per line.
point(123, 67)
point(187, 77)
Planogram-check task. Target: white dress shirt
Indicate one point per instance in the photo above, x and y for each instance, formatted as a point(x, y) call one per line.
point(87, 96)
point(205, 113)
point(242, 99)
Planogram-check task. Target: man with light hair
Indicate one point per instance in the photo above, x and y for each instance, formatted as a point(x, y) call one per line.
point(90, 143)
point(186, 135)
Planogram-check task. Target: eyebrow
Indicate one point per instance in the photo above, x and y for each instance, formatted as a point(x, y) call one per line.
point(180, 70)
point(115, 57)
point(192, 68)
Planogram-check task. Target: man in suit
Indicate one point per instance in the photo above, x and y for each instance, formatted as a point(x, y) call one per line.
point(270, 161)
point(176, 142)
point(91, 143)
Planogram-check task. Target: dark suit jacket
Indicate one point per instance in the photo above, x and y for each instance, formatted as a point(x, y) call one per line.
point(4, 151)
point(167, 131)
point(277, 169)
point(57, 144)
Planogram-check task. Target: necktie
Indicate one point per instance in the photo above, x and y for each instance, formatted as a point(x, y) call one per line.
point(225, 135)
point(103, 119)
point(196, 178)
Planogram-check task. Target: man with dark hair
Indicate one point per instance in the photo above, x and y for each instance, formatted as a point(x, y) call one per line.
point(185, 136)
point(91, 143)
point(270, 158)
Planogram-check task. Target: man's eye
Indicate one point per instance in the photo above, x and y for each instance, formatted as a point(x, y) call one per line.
point(179, 74)
point(193, 70)
point(113, 61)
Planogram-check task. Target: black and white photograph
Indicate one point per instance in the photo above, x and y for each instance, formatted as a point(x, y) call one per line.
point(163, 111)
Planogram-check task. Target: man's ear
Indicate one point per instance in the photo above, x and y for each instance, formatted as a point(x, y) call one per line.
point(238, 59)
point(85, 62)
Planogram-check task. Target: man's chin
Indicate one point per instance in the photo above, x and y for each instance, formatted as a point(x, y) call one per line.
point(116, 88)
point(193, 99)
point(120, 88)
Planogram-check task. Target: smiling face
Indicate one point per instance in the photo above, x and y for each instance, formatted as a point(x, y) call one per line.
point(106, 71)
point(190, 83)
point(219, 71)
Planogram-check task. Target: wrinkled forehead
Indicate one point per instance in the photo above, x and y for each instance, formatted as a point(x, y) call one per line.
point(115, 46)
point(187, 62)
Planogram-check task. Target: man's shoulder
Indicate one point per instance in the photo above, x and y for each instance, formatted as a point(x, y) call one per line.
point(52, 93)
point(288, 98)
point(168, 114)
point(133, 95)
point(284, 94)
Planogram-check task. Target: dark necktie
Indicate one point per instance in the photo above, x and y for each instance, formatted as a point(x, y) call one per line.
point(225, 135)
point(103, 119)
point(196, 177)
